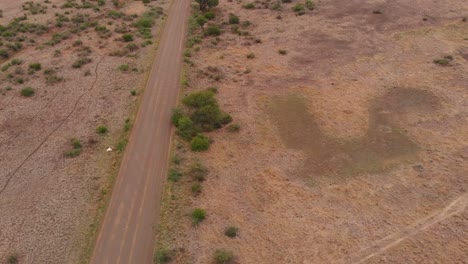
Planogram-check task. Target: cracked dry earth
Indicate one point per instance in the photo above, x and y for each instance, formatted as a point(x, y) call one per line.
point(353, 145)
point(48, 201)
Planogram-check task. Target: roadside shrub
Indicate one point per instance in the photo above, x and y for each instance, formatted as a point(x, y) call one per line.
point(209, 15)
point(213, 31)
point(231, 231)
point(233, 19)
point(223, 256)
point(200, 143)
point(198, 215)
point(197, 171)
point(27, 92)
point(102, 130)
point(35, 66)
point(174, 175)
point(163, 255)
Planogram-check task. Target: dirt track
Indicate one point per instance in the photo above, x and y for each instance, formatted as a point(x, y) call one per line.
point(126, 234)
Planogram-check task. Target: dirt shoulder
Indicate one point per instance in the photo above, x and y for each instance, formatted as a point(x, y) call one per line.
point(351, 145)
point(85, 76)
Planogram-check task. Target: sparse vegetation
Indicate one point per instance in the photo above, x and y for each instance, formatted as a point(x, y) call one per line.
point(102, 130)
point(35, 66)
point(198, 216)
point(174, 175)
point(231, 231)
point(233, 19)
point(27, 92)
point(223, 256)
point(251, 55)
point(249, 6)
point(163, 255)
point(76, 148)
point(445, 61)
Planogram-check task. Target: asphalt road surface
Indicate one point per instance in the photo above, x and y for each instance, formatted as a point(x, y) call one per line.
point(126, 235)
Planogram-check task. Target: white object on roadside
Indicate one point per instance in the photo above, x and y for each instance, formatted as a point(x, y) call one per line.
point(109, 150)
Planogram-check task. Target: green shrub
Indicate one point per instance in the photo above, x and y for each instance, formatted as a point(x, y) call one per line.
point(233, 128)
point(231, 231)
point(127, 37)
point(102, 130)
point(197, 171)
point(27, 92)
point(133, 92)
point(309, 4)
point(163, 255)
point(200, 143)
point(251, 55)
point(76, 143)
point(120, 147)
point(174, 175)
point(4, 53)
point(223, 256)
point(233, 19)
point(13, 259)
point(198, 215)
point(442, 62)
point(209, 15)
point(213, 31)
point(249, 6)
point(199, 99)
point(298, 8)
point(35, 66)
point(196, 188)
point(124, 67)
point(72, 153)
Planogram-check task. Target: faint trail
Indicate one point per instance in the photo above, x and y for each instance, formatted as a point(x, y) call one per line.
point(52, 132)
point(455, 207)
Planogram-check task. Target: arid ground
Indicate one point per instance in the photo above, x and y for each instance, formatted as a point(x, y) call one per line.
point(72, 73)
point(353, 139)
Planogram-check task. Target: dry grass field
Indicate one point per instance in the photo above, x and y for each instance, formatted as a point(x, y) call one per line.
point(71, 76)
point(352, 144)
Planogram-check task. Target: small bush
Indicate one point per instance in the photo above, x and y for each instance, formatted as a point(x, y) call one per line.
point(27, 92)
point(13, 259)
point(198, 215)
point(377, 12)
point(309, 4)
point(163, 255)
point(4, 53)
point(442, 62)
point(76, 143)
point(209, 15)
point(174, 175)
point(102, 130)
point(72, 153)
point(223, 256)
point(213, 31)
point(231, 231)
point(298, 8)
point(133, 92)
point(233, 128)
point(251, 55)
point(127, 37)
point(233, 19)
point(200, 143)
point(197, 171)
point(35, 66)
point(196, 188)
point(249, 6)
point(282, 52)
point(124, 67)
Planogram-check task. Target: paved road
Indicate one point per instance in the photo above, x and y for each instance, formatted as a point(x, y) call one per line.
point(126, 235)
